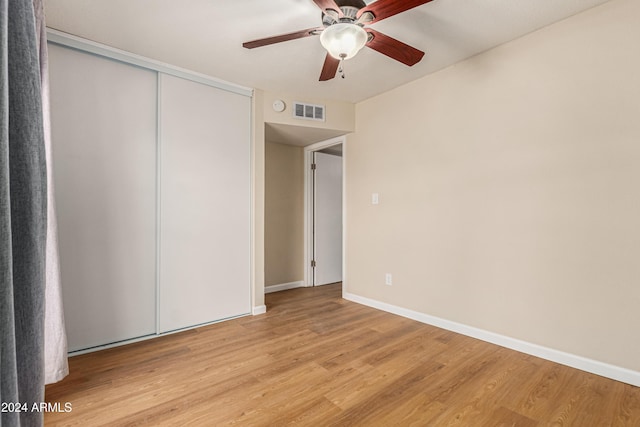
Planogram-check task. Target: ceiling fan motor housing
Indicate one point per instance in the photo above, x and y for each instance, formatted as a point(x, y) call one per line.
point(349, 10)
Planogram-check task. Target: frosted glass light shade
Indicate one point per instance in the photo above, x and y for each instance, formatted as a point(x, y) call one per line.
point(343, 40)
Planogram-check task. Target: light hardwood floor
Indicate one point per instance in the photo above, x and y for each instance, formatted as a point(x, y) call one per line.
point(317, 360)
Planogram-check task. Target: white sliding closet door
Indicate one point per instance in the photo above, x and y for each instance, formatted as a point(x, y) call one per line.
point(205, 204)
point(104, 149)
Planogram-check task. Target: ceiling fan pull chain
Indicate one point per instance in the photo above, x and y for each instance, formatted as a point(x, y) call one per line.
point(340, 68)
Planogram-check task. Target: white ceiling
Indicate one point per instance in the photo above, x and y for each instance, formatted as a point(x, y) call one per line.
point(207, 35)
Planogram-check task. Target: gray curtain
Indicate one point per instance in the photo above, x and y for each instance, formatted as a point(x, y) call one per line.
point(23, 215)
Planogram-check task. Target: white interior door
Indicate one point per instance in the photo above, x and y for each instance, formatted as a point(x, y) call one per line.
point(327, 219)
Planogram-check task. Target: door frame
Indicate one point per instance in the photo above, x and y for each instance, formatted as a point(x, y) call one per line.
point(308, 204)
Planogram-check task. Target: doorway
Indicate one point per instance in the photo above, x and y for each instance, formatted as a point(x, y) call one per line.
point(324, 212)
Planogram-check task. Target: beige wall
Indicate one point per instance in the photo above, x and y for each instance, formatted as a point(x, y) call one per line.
point(257, 180)
point(339, 115)
point(509, 189)
point(284, 214)
point(279, 195)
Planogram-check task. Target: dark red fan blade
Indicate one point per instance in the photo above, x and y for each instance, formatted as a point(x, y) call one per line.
point(329, 4)
point(282, 38)
point(329, 68)
point(394, 48)
point(383, 9)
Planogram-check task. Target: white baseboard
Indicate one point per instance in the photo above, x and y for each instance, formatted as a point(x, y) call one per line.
point(589, 365)
point(260, 309)
point(283, 286)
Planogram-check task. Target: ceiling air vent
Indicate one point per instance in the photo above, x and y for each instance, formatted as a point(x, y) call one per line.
point(308, 111)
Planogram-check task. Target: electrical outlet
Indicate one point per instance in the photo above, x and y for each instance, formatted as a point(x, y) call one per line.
point(388, 280)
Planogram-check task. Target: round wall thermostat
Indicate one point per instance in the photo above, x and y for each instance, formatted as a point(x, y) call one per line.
point(278, 105)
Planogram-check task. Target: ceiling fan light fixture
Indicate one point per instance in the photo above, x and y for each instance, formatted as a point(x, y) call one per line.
point(343, 40)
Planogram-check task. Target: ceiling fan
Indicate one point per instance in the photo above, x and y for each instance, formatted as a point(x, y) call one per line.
point(344, 32)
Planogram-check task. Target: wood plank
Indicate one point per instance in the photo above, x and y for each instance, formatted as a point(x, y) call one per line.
point(315, 359)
